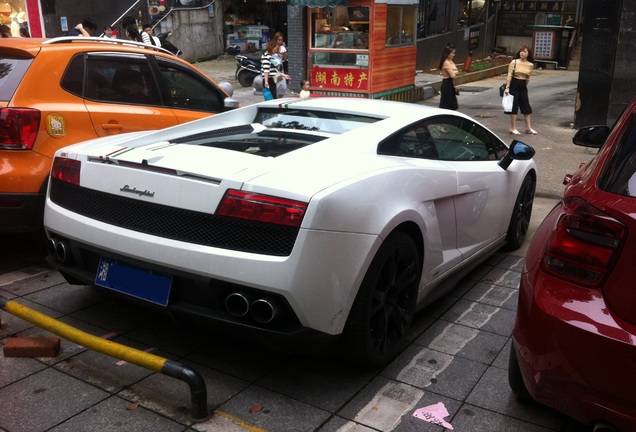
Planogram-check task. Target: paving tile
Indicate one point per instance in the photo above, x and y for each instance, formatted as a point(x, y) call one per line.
point(45, 278)
point(494, 295)
point(273, 411)
point(118, 415)
point(168, 337)
point(475, 419)
point(511, 262)
point(493, 393)
point(481, 316)
point(467, 342)
point(171, 397)
point(324, 383)
point(116, 317)
point(389, 405)
point(108, 373)
point(12, 325)
point(66, 298)
point(504, 277)
point(45, 399)
point(435, 371)
point(237, 358)
point(13, 369)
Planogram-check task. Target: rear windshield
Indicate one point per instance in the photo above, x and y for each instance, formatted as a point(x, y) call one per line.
point(320, 121)
point(265, 143)
point(12, 69)
point(619, 176)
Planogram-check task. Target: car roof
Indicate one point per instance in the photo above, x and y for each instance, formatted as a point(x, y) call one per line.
point(32, 46)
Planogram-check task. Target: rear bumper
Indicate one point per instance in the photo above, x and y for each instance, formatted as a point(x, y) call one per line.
point(21, 212)
point(574, 354)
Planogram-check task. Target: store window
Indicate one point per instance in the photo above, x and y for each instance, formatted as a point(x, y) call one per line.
point(400, 25)
point(13, 15)
point(340, 36)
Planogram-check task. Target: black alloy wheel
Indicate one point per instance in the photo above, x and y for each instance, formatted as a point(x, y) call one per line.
point(381, 316)
point(521, 213)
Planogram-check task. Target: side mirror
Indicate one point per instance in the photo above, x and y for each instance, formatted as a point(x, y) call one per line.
point(517, 151)
point(591, 136)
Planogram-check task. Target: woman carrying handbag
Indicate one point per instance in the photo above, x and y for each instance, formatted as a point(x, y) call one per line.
point(519, 72)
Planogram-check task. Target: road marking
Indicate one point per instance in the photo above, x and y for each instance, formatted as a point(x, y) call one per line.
point(11, 277)
point(425, 367)
point(453, 338)
point(385, 410)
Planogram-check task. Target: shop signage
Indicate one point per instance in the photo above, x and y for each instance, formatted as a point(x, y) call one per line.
point(531, 6)
point(340, 78)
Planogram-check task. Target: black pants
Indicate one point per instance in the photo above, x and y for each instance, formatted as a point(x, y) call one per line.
point(519, 89)
point(448, 98)
point(272, 86)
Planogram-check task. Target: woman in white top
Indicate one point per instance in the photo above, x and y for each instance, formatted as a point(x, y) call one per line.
point(281, 56)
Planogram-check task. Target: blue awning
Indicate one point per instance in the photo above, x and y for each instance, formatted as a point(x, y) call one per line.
point(317, 3)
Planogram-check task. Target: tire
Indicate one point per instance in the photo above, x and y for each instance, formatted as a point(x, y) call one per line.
point(381, 316)
point(245, 78)
point(515, 379)
point(521, 213)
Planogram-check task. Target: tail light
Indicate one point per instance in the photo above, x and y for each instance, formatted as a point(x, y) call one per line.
point(262, 208)
point(585, 244)
point(18, 128)
point(67, 170)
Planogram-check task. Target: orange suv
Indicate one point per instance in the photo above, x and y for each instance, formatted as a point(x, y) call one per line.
point(56, 92)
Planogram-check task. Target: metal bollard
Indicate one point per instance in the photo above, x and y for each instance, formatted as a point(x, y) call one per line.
point(198, 391)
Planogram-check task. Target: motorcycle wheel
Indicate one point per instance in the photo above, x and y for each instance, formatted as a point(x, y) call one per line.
point(245, 78)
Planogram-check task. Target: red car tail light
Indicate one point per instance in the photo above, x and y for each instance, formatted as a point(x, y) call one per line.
point(585, 244)
point(262, 208)
point(18, 128)
point(67, 170)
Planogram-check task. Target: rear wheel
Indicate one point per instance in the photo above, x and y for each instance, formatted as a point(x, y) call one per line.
point(515, 379)
point(521, 213)
point(382, 313)
point(245, 78)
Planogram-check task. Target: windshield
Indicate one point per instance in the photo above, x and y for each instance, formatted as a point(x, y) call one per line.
point(326, 122)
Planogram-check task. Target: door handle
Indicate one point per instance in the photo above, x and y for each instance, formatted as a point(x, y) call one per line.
point(112, 126)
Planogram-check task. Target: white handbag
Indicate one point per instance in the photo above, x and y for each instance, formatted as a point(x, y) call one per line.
point(506, 102)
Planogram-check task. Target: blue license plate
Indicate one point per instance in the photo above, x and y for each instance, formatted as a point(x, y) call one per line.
point(136, 282)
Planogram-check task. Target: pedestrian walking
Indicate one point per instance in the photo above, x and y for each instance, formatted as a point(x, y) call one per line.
point(519, 72)
point(448, 94)
point(269, 72)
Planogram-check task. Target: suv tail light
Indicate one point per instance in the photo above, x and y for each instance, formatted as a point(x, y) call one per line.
point(585, 244)
point(262, 208)
point(18, 128)
point(67, 170)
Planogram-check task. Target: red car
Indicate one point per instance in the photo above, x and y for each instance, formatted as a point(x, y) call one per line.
point(574, 340)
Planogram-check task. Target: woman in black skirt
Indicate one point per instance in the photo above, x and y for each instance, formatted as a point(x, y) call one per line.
point(448, 96)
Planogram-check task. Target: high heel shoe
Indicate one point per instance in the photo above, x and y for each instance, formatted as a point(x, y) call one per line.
point(514, 132)
point(531, 132)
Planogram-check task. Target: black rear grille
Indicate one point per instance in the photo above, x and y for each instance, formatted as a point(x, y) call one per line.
point(175, 223)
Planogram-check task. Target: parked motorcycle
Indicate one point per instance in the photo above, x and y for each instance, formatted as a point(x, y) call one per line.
point(248, 67)
point(166, 44)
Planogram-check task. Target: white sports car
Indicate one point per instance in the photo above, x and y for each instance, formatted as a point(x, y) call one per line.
point(314, 220)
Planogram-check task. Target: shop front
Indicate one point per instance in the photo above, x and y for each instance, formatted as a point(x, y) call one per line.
point(363, 49)
point(21, 14)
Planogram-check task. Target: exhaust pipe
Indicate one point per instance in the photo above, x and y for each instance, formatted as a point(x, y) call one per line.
point(237, 305)
point(62, 251)
point(264, 311)
point(59, 249)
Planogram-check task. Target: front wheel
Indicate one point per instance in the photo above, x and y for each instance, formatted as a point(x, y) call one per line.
point(382, 313)
point(521, 213)
point(246, 78)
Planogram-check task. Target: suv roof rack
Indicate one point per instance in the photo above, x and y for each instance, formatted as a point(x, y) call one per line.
point(83, 39)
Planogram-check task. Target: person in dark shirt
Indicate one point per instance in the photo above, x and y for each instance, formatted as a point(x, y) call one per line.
point(85, 28)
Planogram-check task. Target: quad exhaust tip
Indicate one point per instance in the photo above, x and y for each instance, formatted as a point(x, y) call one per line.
point(261, 310)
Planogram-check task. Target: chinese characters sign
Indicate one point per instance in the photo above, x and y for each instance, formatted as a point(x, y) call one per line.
point(348, 79)
point(531, 6)
point(543, 44)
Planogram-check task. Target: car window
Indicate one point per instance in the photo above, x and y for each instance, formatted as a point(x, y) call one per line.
point(619, 176)
point(314, 120)
point(460, 139)
point(414, 141)
point(112, 79)
point(11, 72)
point(189, 91)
